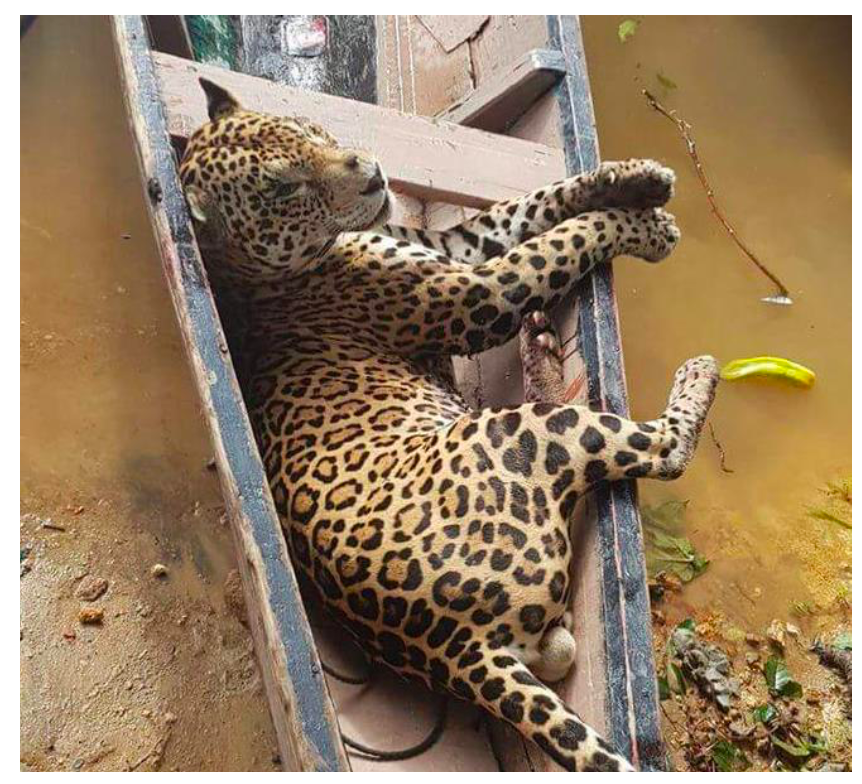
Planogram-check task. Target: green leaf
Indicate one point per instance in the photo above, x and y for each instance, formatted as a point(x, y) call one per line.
point(729, 757)
point(627, 29)
point(792, 690)
point(687, 624)
point(822, 514)
point(663, 689)
point(843, 642)
point(664, 81)
point(764, 713)
point(778, 679)
point(792, 749)
point(800, 608)
point(842, 490)
point(800, 749)
point(666, 550)
point(676, 679)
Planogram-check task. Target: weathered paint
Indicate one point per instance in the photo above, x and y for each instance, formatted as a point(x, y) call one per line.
point(631, 677)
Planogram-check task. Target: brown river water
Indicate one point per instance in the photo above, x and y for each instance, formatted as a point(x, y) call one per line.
point(769, 103)
point(113, 447)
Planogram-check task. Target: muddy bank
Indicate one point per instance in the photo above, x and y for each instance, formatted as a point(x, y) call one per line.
point(113, 459)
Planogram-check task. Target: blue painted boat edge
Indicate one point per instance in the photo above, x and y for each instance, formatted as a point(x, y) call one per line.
point(632, 690)
point(311, 705)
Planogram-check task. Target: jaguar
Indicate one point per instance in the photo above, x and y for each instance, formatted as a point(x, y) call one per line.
point(436, 534)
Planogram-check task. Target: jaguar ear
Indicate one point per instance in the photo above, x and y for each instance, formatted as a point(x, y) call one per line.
point(197, 203)
point(220, 103)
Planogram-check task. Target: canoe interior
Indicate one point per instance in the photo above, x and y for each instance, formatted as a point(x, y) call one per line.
point(613, 683)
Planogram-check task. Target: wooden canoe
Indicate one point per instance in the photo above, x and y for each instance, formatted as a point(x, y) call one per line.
point(435, 161)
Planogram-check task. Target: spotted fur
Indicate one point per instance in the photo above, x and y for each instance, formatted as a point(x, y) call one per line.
point(436, 534)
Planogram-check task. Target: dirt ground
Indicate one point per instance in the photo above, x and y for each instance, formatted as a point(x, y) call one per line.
point(114, 476)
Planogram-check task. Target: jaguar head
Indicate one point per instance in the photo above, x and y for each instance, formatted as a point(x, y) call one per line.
point(270, 194)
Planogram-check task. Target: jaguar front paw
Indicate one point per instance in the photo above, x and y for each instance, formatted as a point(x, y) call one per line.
point(638, 183)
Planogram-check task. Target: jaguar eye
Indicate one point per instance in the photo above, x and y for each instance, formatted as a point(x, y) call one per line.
point(284, 190)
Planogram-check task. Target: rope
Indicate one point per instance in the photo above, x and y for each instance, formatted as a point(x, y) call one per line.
point(411, 751)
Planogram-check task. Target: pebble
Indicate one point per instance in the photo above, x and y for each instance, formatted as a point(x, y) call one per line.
point(143, 610)
point(159, 570)
point(91, 615)
point(753, 639)
point(775, 634)
point(91, 588)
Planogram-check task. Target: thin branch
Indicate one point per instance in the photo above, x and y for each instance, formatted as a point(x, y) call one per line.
point(783, 295)
point(720, 449)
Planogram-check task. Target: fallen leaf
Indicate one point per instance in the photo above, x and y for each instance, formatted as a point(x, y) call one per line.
point(627, 29)
point(764, 713)
point(663, 689)
point(729, 757)
point(666, 549)
point(778, 679)
point(822, 514)
point(664, 81)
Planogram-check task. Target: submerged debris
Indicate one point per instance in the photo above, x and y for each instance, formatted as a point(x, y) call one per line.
point(706, 665)
point(722, 458)
point(667, 551)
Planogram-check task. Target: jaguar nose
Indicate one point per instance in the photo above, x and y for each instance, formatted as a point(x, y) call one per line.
point(376, 182)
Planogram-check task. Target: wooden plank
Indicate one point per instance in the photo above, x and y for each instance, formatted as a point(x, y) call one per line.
point(632, 691)
point(301, 708)
point(499, 102)
point(425, 158)
point(436, 78)
point(453, 30)
point(503, 40)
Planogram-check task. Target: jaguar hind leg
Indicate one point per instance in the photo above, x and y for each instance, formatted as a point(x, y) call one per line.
point(663, 447)
point(617, 448)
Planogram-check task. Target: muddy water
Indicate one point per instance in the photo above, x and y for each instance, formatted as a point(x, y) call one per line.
point(114, 452)
point(769, 102)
